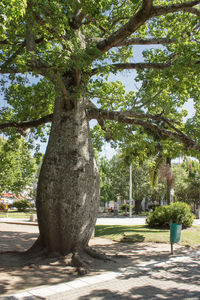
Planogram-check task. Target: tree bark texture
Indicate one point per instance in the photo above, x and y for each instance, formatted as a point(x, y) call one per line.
point(68, 188)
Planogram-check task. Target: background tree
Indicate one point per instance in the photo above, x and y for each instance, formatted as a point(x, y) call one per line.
point(187, 183)
point(17, 168)
point(116, 173)
point(71, 48)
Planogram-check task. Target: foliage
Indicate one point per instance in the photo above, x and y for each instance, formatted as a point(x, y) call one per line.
point(22, 205)
point(159, 218)
point(38, 41)
point(18, 168)
point(2, 206)
point(114, 175)
point(187, 182)
point(178, 212)
point(125, 207)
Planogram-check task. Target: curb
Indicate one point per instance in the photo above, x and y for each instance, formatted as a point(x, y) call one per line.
point(18, 222)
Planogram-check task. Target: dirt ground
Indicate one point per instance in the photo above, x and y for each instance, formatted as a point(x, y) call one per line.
point(17, 275)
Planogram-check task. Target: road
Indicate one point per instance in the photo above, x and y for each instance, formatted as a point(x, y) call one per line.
point(100, 221)
point(128, 221)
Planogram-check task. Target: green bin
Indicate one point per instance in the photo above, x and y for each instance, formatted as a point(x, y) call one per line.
point(175, 232)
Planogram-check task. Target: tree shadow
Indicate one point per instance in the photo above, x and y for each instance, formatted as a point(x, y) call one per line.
point(133, 238)
point(16, 274)
point(16, 241)
point(149, 292)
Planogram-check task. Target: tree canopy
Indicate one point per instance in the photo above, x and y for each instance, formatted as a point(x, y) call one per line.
point(96, 38)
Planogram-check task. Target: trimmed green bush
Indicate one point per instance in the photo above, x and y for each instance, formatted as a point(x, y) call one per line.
point(178, 212)
point(22, 204)
point(159, 218)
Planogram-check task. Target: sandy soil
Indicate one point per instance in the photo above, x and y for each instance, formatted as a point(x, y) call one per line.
point(18, 272)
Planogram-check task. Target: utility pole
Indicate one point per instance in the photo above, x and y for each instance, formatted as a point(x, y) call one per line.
point(130, 191)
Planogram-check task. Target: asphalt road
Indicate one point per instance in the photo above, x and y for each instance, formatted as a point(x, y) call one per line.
point(100, 221)
point(128, 221)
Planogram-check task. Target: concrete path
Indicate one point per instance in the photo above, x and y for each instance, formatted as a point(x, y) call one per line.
point(177, 277)
point(174, 278)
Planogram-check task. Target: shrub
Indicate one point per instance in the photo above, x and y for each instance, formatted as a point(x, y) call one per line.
point(22, 204)
point(178, 212)
point(159, 218)
point(125, 207)
point(3, 206)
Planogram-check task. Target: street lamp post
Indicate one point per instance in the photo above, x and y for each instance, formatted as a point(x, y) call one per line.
point(130, 191)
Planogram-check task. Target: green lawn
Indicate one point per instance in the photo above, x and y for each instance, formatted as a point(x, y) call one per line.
point(141, 233)
point(16, 214)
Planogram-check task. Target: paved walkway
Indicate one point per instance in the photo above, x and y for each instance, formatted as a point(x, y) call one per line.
point(175, 278)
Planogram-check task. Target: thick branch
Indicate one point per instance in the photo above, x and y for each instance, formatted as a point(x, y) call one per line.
point(27, 124)
point(153, 41)
point(138, 41)
point(126, 30)
point(185, 6)
point(145, 13)
point(131, 66)
point(121, 117)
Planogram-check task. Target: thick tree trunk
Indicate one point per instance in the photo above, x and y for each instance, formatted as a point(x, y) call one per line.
point(68, 189)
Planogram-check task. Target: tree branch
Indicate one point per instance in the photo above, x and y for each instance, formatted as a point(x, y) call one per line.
point(131, 66)
point(153, 41)
point(138, 41)
point(11, 58)
point(27, 124)
point(185, 6)
point(146, 12)
point(131, 26)
point(77, 19)
point(133, 119)
point(192, 10)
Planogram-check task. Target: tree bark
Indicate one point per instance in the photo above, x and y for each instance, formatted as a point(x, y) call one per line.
point(68, 188)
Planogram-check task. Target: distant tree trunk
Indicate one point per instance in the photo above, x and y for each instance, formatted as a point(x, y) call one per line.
point(168, 180)
point(68, 188)
point(138, 207)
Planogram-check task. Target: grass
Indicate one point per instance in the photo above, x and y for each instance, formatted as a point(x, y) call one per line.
point(16, 214)
point(141, 233)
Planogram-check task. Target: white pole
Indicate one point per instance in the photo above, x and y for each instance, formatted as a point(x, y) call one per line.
point(130, 191)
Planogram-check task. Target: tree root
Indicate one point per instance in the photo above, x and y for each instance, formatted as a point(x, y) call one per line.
point(78, 264)
point(93, 253)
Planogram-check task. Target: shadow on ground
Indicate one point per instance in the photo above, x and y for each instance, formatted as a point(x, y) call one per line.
point(17, 275)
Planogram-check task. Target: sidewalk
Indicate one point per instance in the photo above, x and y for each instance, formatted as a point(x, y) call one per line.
point(175, 278)
point(169, 277)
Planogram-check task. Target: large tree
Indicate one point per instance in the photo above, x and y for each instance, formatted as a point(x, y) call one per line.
point(71, 47)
